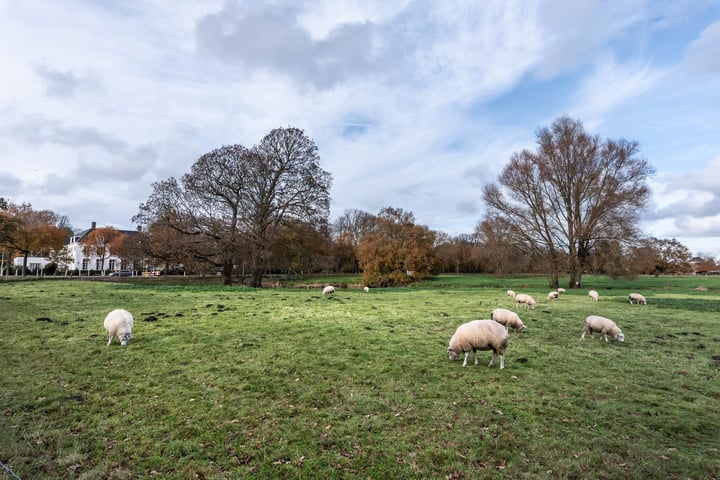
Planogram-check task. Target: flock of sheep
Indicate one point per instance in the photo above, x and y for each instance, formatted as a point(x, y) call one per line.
point(469, 337)
point(493, 334)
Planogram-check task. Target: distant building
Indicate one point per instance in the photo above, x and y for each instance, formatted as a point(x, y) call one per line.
point(77, 259)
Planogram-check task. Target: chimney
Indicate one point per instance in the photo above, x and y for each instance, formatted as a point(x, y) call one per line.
point(93, 226)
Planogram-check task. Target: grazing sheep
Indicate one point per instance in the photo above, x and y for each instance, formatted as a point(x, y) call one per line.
point(329, 290)
point(508, 318)
point(561, 290)
point(553, 295)
point(479, 335)
point(637, 298)
point(367, 289)
point(596, 323)
point(119, 322)
point(525, 299)
point(593, 295)
point(511, 293)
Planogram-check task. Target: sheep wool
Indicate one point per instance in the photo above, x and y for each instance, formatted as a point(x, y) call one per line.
point(508, 318)
point(511, 294)
point(561, 290)
point(596, 323)
point(553, 295)
point(367, 289)
point(637, 298)
point(328, 290)
point(119, 323)
point(593, 295)
point(525, 299)
point(479, 335)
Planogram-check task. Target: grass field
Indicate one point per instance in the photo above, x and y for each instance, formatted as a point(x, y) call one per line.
point(229, 382)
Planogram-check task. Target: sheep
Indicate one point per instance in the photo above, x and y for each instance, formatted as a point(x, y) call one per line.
point(561, 290)
point(367, 289)
point(511, 294)
point(593, 295)
point(479, 335)
point(508, 318)
point(637, 298)
point(119, 322)
point(525, 299)
point(553, 295)
point(329, 290)
point(596, 323)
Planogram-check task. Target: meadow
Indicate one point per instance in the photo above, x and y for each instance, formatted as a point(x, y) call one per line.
point(231, 382)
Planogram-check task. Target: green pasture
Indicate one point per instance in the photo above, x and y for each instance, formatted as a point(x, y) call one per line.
point(230, 382)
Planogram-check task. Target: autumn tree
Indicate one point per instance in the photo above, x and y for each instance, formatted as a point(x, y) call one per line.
point(164, 245)
point(8, 224)
point(571, 192)
point(32, 232)
point(396, 251)
point(129, 247)
point(99, 242)
point(230, 204)
point(656, 256)
point(299, 247)
point(459, 254)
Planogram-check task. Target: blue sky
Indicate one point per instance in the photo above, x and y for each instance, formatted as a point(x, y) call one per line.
point(412, 104)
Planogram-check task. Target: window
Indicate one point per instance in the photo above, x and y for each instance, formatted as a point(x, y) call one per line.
point(85, 264)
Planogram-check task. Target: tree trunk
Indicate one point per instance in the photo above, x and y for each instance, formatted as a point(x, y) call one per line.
point(575, 275)
point(227, 272)
point(258, 268)
point(554, 277)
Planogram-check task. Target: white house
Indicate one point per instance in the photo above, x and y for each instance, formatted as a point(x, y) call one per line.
point(76, 258)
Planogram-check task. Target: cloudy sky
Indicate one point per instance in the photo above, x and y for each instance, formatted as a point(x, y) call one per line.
point(412, 104)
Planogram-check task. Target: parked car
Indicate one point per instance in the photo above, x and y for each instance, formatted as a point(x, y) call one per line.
point(121, 273)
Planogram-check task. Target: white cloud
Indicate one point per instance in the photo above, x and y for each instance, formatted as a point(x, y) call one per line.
point(703, 54)
point(610, 85)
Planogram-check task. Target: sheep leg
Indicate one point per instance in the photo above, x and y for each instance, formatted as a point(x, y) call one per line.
point(465, 362)
point(476, 360)
point(492, 359)
point(502, 361)
point(110, 340)
point(605, 335)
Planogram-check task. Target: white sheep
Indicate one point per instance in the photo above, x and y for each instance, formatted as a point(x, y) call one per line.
point(367, 289)
point(553, 295)
point(508, 318)
point(119, 323)
point(596, 323)
point(637, 298)
point(561, 290)
point(479, 335)
point(329, 290)
point(511, 293)
point(593, 295)
point(525, 299)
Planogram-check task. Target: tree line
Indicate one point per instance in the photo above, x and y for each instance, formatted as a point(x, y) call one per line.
point(569, 206)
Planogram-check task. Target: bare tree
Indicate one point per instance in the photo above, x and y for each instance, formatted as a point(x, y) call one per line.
point(286, 184)
point(205, 206)
point(233, 199)
point(570, 193)
point(354, 222)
